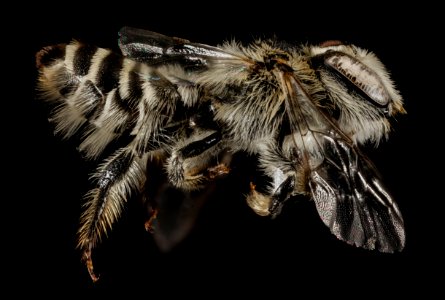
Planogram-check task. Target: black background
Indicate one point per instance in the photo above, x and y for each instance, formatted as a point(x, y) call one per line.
point(230, 247)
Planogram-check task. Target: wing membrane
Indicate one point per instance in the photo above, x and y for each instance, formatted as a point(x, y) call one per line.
point(154, 48)
point(347, 192)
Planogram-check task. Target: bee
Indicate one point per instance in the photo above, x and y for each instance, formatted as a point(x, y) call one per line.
point(170, 113)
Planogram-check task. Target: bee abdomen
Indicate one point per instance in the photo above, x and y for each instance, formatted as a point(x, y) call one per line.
point(106, 95)
point(84, 83)
point(82, 59)
point(76, 73)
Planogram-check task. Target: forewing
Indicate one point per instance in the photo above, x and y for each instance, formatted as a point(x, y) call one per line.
point(352, 201)
point(348, 194)
point(154, 48)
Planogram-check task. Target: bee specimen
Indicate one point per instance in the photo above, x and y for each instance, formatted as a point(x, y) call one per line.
point(182, 109)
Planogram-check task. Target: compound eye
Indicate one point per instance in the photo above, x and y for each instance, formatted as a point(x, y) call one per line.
point(360, 75)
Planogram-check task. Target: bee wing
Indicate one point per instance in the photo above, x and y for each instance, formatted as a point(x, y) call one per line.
point(154, 48)
point(347, 192)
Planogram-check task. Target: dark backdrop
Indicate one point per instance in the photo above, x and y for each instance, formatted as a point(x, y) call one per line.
point(230, 247)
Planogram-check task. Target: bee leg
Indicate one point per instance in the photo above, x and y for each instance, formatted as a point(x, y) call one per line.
point(172, 210)
point(270, 203)
point(281, 183)
point(217, 171)
point(149, 227)
point(120, 174)
point(258, 201)
point(192, 161)
point(284, 191)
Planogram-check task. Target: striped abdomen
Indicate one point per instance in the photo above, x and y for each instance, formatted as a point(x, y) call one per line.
point(107, 95)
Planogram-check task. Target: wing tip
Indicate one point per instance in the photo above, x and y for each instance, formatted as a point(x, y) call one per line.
point(389, 246)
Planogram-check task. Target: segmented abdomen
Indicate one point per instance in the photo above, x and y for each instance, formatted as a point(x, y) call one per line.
point(106, 95)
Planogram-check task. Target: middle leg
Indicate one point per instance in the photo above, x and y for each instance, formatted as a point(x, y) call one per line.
point(195, 160)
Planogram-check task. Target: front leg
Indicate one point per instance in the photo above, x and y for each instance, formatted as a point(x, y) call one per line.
point(285, 179)
point(272, 201)
point(282, 193)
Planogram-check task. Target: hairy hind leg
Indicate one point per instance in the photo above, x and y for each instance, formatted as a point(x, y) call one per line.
point(122, 173)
